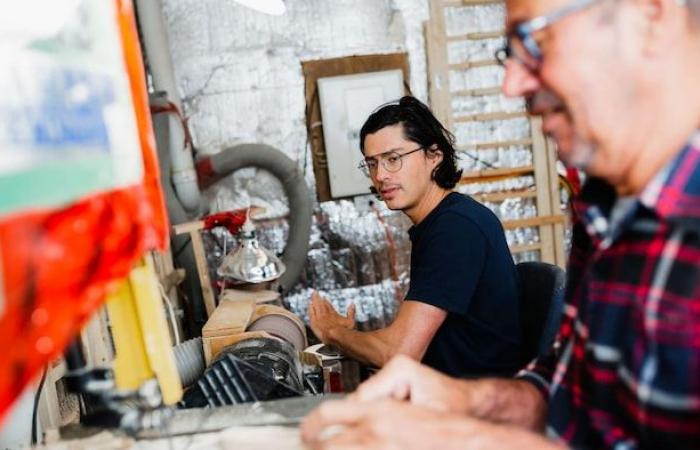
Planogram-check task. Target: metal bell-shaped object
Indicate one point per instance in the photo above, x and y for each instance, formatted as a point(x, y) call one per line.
point(250, 262)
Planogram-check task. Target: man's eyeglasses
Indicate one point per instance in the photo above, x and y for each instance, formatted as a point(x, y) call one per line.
point(522, 46)
point(391, 161)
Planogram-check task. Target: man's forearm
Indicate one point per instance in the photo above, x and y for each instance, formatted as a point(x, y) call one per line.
point(369, 347)
point(515, 402)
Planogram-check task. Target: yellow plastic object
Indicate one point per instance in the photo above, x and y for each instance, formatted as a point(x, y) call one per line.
point(131, 366)
point(141, 337)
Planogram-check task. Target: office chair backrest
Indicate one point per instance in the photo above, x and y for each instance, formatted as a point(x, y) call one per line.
point(542, 301)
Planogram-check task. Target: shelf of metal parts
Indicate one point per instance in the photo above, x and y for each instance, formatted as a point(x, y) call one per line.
point(534, 221)
point(498, 115)
point(504, 195)
point(476, 36)
point(458, 3)
point(482, 176)
point(525, 247)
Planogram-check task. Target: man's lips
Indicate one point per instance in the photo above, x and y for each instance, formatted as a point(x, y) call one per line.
point(543, 102)
point(388, 190)
point(554, 121)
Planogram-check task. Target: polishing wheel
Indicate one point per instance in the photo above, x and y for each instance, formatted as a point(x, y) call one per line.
point(280, 323)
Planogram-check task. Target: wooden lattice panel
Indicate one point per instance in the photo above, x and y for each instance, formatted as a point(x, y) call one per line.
point(508, 164)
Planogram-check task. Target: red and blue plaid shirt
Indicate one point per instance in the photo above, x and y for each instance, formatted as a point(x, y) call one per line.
point(625, 369)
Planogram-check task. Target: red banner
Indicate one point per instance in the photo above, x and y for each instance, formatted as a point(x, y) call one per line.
point(58, 265)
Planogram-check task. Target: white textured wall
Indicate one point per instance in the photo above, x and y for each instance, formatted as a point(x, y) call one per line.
point(239, 71)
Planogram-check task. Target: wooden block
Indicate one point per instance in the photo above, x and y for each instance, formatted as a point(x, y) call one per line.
point(188, 227)
point(203, 271)
point(229, 318)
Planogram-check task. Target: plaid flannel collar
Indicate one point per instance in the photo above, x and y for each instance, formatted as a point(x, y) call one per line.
point(673, 194)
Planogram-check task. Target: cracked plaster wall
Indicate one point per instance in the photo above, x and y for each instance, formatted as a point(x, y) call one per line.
point(239, 71)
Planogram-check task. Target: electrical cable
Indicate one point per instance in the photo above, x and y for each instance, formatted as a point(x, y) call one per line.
point(171, 312)
point(477, 159)
point(37, 396)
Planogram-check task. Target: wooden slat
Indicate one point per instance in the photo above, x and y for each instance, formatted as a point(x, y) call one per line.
point(458, 3)
point(492, 174)
point(534, 221)
point(488, 145)
point(477, 92)
point(499, 115)
point(473, 64)
point(525, 247)
point(438, 78)
point(188, 227)
point(229, 318)
point(475, 36)
point(555, 195)
point(545, 194)
point(203, 271)
point(544, 200)
point(505, 195)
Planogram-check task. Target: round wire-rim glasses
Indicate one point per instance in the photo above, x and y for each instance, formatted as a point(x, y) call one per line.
point(391, 161)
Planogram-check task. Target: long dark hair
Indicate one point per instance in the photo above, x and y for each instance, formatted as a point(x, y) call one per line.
point(420, 126)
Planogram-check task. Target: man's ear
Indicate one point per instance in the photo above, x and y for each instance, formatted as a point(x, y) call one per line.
point(661, 19)
point(434, 153)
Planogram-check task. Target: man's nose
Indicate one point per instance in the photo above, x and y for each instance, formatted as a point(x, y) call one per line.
point(519, 81)
point(381, 173)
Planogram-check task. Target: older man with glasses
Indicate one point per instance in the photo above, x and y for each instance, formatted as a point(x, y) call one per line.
point(461, 313)
point(616, 85)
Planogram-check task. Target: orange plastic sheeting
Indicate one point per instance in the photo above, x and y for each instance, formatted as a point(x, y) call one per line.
point(58, 265)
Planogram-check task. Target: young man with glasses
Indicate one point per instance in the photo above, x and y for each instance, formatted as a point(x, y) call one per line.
point(461, 313)
point(616, 85)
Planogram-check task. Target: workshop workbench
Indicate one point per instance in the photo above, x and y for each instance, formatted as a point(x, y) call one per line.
point(271, 424)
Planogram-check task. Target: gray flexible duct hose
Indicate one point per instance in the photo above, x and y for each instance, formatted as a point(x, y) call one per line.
point(189, 359)
point(183, 254)
point(213, 168)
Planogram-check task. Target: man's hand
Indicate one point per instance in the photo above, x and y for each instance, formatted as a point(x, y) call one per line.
point(323, 318)
point(405, 379)
point(509, 401)
point(389, 424)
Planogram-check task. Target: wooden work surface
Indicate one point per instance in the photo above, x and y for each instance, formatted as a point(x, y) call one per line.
point(233, 438)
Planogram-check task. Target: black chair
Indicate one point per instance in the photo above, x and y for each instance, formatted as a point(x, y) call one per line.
point(542, 288)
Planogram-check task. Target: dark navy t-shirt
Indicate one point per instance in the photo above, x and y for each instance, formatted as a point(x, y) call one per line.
point(460, 263)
